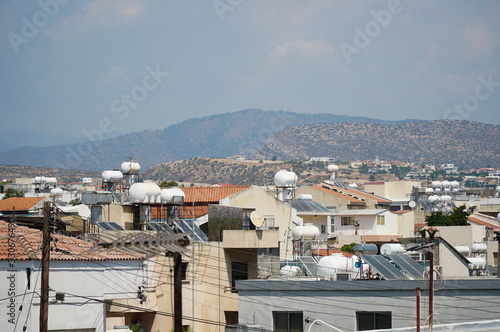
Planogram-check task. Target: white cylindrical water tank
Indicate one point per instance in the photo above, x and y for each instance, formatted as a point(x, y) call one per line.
point(112, 176)
point(365, 249)
point(332, 168)
point(329, 266)
point(305, 232)
point(353, 185)
point(172, 196)
point(454, 184)
point(429, 190)
point(130, 167)
point(497, 188)
point(391, 249)
point(56, 192)
point(436, 184)
point(437, 190)
point(477, 262)
point(446, 184)
point(432, 199)
point(478, 247)
point(464, 250)
point(284, 178)
point(289, 270)
point(305, 197)
point(146, 192)
point(51, 181)
point(446, 198)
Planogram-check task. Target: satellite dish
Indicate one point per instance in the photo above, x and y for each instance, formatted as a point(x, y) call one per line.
point(412, 204)
point(257, 219)
point(471, 202)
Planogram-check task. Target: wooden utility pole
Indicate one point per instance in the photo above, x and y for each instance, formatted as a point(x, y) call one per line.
point(432, 231)
point(44, 296)
point(177, 292)
point(417, 290)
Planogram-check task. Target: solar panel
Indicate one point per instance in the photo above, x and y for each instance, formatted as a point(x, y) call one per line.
point(409, 265)
point(187, 226)
point(308, 206)
point(160, 227)
point(109, 226)
point(199, 233)
point(382, 266)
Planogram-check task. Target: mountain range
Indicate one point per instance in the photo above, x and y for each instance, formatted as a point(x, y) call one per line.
point(238, 133)
point(278, 134)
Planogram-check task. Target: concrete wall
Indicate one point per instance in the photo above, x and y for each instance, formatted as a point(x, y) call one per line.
point(336, 302)
point(406, 224)
point(121, 214)
point(393, 189)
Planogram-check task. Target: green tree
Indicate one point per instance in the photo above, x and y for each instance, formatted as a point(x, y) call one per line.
point(168, 184)
point(75, 201)
point(348, 247)
point(13, 193)
point(458, 217)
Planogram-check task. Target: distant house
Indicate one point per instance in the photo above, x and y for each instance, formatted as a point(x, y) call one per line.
point(331, 198)
point(22, 206)
point(372, 225)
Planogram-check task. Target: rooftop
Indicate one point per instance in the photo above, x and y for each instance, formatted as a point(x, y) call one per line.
point(19, 203)
point(336, 193)
point(209, 194)
point(27, 245)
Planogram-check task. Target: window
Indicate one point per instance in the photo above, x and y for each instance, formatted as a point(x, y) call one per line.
point(332, 227)
point(380, 220)
point(288, 321)
point(345, 221)
point(239, 271)
point(231, 317)
point(367, 320)
point(184, 268)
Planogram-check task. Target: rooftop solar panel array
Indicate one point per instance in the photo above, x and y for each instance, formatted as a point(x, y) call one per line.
point(109, 226)
point(408, 264)
point(302, 205)
point(383, 267)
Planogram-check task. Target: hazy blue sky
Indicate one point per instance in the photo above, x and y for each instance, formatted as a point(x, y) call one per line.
point(72, 66)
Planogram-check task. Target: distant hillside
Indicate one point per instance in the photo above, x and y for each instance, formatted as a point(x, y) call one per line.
point(10, 172)
point(247, 172)
point(223, 135)
point(463, 143)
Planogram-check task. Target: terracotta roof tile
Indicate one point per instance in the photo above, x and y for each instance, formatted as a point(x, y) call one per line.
point(209, 194)
point(19, 203)
point(333, 192)
point(484, 223)
point(27, 246)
